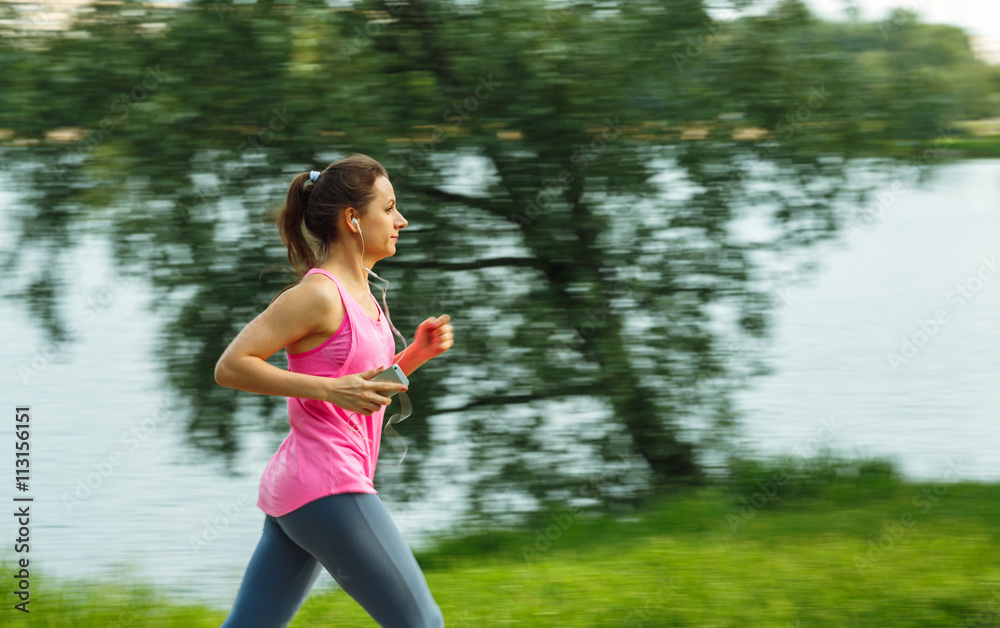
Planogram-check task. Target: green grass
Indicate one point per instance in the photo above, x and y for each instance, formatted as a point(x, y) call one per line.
point(800, 559)
point(950, 148)
point(976, 146)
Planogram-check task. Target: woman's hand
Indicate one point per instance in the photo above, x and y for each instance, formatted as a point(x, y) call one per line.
point(357, 394)
point(433, 337)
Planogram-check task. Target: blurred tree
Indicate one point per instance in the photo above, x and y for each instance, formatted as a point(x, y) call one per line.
point(528, 144)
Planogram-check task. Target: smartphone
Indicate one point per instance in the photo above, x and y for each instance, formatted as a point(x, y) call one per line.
point(392, 374)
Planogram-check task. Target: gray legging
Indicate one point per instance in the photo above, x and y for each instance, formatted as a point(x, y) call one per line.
point(353, 537)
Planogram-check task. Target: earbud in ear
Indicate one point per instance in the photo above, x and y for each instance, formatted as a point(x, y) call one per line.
point(355, 221)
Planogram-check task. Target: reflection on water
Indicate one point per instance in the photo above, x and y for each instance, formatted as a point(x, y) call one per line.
point(115, 486)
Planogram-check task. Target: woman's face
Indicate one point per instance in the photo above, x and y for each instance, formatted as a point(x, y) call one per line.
point(382, 222)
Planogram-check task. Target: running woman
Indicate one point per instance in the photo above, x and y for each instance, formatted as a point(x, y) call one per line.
point(317, 493)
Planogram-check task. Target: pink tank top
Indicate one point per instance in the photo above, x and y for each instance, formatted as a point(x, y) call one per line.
point(329, 450)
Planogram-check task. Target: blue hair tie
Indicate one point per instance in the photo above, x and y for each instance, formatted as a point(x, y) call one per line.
point(313, 175)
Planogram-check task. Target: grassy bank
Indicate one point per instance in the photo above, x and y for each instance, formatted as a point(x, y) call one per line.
point(865, 550)
point(976, 147)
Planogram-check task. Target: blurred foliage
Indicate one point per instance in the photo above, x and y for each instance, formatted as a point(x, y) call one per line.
point(585, 369)
point(825, 476)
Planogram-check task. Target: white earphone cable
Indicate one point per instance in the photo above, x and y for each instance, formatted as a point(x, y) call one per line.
point(406, 408)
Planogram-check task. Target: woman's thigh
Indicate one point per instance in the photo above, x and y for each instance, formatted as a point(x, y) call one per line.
point(276, 581)
point(356, 540)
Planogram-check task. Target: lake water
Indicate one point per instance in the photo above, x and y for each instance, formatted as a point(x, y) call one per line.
point(98, 408)
point(890, 348)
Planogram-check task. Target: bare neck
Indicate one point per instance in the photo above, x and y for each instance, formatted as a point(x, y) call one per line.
point(343, 260)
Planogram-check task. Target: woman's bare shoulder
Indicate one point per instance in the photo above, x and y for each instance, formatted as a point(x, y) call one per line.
point(316, 301)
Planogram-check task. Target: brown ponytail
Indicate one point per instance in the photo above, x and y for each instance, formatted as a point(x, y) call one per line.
point(319, 206)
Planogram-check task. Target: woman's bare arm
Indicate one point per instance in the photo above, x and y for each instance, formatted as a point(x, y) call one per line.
point(410, 361)
point(298, 312)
